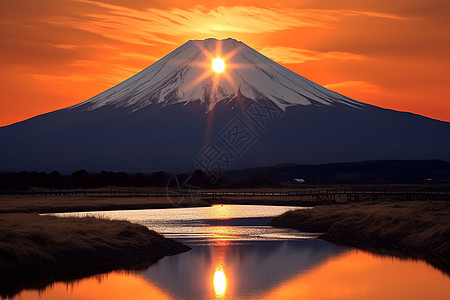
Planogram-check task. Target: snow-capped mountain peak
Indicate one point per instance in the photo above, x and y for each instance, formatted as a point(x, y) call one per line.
point(185, 75)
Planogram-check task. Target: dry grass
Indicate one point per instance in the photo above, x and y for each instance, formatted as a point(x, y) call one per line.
point(416, 229)
point(32, 245)
point(53, 204)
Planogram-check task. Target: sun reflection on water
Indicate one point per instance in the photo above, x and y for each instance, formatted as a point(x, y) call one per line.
point(220, 281)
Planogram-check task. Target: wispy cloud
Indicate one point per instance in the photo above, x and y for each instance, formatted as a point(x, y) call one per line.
point(363, 86)
point(139, 56)
point(370, 14)
point(295, 56)
point(153, 25)
point(107, 73)
point(73, 47)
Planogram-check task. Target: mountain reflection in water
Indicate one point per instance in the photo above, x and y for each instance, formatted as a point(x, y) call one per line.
point(246, 269)
point(351, 275)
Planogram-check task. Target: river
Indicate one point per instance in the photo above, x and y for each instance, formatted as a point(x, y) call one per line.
point(236, 256)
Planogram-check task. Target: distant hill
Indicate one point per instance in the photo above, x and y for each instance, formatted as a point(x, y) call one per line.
point(376, 171)
point(365, 172)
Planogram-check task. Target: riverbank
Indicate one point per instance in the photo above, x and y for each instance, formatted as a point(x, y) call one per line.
point(410, 229)
point(34, 246)
point(80, 203)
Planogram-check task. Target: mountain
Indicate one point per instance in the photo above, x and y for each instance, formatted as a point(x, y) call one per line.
point(185, 75)
point(179, 115)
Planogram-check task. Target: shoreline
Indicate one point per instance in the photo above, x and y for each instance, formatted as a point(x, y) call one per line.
point(62, 204)
point(111, 207)
point(48, 205)
point(35, 247)
point(417, 230)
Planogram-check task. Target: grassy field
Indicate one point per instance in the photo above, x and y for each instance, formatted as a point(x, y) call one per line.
point(34, 246)
point(411, 229)
point(54, 204)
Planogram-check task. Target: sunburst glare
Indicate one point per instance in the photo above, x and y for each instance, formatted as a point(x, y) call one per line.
point(218, 65)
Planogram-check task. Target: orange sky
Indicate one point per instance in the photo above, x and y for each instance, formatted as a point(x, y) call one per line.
point(393, 54)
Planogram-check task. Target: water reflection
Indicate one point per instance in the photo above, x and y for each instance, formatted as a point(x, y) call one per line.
point(351, 275)
point(362, 275)
point(220, 281)
point(115, 285)
point(206, 224)
point(240, 258)
point(238, 270)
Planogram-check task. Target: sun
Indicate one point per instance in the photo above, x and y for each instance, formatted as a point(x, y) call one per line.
point(218, 65)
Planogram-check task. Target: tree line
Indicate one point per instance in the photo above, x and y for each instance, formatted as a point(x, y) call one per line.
point(83, 179)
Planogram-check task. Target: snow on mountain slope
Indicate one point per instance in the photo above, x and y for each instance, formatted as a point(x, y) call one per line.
point(185, 75)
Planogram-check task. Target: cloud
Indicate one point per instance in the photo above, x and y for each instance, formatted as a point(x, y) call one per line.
point(296, 56)
point(73, 47)
point(67, 46)
point(148, 26)
point(362, 86)
point(105, 72)
point(371, 14)
point(139, 56)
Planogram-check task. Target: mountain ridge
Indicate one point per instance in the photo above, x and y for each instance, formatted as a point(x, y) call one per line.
point(303, 123)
